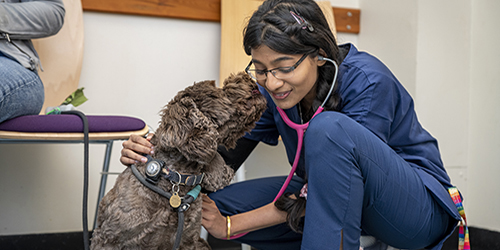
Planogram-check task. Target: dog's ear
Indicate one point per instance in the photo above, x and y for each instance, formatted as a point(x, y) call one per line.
point(188, 130)
point(217, 174)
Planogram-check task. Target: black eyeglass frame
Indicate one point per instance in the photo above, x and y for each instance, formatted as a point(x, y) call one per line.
point(290, 69)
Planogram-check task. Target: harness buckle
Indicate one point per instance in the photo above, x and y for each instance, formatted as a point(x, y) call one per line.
point(184, 207)
point(153, 170)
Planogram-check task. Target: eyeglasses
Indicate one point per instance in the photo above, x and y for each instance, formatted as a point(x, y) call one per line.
point(279, 73)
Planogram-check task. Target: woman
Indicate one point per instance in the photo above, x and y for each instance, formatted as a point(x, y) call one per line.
point(21, 90)
point(370, 166)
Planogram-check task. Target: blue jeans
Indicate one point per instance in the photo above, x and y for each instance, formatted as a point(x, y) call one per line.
point(357, 185)
point(21, 90)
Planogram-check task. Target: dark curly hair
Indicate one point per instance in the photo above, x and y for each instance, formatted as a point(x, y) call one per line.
point(274, 26)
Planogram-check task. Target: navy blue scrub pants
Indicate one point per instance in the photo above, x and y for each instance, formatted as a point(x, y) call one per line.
point(356, 185)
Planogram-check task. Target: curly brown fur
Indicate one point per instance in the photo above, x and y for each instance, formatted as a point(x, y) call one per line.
point(193, 123)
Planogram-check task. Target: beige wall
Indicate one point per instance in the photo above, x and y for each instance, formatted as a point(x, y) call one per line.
point(443, 53)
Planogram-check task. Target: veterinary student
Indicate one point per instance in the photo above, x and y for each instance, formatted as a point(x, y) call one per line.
point(371, 168)
point(21, 90)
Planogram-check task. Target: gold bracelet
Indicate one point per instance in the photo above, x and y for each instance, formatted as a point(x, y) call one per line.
point(228, 220)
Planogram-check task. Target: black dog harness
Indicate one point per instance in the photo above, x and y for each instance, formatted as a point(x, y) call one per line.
point(156, 169)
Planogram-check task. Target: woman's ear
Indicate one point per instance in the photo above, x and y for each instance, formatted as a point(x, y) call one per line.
point(323, 54)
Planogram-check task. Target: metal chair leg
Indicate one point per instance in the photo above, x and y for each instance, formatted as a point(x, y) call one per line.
point(104, 177)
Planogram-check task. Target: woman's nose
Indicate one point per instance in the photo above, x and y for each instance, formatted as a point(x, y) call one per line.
point(273, 83)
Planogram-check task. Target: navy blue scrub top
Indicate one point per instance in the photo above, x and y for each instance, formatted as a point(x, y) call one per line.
point(372, 96)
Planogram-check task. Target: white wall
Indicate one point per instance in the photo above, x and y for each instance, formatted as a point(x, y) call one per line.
point(484, 116)
point(133, 65)
point(442, 51)
point(443, 80)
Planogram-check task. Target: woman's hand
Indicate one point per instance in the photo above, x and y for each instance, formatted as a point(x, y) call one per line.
point(134, 149)
point(212, 219)
point(216, 224)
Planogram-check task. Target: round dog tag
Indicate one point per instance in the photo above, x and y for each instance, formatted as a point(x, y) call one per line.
point(175, 200)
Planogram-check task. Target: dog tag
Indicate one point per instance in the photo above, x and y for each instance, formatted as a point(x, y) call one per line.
point(175, 200)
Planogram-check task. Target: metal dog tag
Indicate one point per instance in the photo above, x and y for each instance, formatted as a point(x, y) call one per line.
point(175, 200)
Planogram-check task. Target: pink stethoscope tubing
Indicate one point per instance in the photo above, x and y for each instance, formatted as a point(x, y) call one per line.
point(301, 129)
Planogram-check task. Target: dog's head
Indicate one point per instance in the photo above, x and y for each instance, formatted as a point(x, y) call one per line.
point(249, 105)
point(202, 116)
point(189, 122)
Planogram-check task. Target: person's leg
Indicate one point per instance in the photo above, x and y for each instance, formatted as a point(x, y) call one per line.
point(21, 90)
point(356, 182)
point(248, 195)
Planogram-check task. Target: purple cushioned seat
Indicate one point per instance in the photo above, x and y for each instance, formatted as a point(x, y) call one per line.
point(67, 123)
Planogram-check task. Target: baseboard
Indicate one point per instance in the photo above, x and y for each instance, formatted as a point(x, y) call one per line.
point(52, 241)
point(481, 239)
point(74, 241)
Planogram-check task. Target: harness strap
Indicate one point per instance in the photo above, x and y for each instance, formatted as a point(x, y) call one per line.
point(463, 230)
point(186, 201)
point(190, 197)
point(178, 178)
point(146, 183)
point(184, 179)
point(180, 228)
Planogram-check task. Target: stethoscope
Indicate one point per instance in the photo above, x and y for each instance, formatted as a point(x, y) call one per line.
point(301, 129)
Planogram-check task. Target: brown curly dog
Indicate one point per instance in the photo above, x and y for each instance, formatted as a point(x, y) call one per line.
point(193, 124)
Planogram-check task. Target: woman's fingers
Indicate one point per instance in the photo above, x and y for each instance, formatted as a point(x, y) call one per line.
point(211, 218)
point(130, 157)
point(135, 148)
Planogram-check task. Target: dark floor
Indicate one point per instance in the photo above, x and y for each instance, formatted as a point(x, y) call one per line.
point(480, 240)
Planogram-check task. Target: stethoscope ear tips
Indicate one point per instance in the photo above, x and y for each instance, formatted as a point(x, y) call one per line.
point(321, 58)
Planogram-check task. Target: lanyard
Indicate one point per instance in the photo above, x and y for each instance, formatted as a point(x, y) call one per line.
point(463, 230)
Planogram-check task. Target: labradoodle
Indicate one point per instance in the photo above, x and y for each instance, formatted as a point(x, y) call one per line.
point(193, 124)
